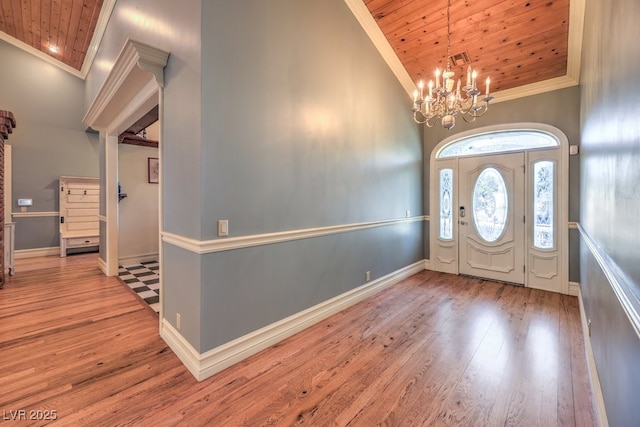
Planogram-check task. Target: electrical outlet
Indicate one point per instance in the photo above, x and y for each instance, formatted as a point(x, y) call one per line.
point(178, 321)
point(367, 276)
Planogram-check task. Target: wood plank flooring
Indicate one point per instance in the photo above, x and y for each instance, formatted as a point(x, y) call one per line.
point(434, 350)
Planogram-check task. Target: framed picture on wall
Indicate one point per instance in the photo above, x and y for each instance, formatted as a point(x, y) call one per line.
point(153, 170)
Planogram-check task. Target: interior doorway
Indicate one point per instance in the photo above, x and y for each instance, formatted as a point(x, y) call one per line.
point(138, 208)
point(499, 205)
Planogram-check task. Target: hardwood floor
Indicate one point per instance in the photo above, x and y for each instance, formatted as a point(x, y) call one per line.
point(435, 349)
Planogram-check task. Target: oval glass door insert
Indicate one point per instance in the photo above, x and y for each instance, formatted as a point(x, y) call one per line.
point(490, 204)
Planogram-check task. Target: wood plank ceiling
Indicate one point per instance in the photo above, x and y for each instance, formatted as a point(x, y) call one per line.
point(516, 42)
point(60, 28)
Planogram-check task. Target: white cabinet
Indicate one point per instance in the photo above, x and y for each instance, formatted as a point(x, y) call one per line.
point(79, 208)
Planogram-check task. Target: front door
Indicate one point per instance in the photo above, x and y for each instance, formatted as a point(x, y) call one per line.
point(491, 217)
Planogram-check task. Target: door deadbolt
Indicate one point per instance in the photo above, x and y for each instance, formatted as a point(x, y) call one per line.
point(462, 212)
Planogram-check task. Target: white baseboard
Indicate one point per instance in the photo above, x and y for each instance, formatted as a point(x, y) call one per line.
point(103, 266)
point(427, 264)
point(37, 252)
point(601, 412)
point(574, 288)
point(137, 259)
point(188, 355)
point(204, 365)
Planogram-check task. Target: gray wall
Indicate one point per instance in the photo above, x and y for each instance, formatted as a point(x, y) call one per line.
point(302, 127)
point(560, 108)
point(293, 122)
point(173, 26)
point(610, 197)
point(49, 140)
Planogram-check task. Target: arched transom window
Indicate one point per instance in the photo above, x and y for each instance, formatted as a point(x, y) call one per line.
point(498, 142)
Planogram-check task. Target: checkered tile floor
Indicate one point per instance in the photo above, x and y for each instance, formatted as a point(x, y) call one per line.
point(144, 280)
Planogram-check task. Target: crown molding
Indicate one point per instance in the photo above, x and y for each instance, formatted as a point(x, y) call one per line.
point(40, 55)
point(381, 43)
point(98, 33)
point(534, 89)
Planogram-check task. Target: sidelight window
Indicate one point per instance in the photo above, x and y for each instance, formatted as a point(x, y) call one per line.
point(446, 204)
point(543, 186)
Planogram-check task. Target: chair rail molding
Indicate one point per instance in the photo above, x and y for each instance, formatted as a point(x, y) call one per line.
point(34, 214)
point(617, 280)
point(226, 244)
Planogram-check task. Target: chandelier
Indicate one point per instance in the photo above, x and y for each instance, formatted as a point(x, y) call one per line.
point(443, 101)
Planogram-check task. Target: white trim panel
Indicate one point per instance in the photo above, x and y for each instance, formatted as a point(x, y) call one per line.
point(574, 289)
point(35, 214)
point(103, 266)
point(219, 245)
point(204, 365)
point(8, 186)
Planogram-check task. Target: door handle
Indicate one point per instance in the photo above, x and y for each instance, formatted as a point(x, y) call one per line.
point(463, 222)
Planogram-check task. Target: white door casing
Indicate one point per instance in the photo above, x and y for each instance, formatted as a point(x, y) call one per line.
point(545, 267)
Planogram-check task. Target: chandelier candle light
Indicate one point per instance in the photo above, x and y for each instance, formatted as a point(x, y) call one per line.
point(445, 103)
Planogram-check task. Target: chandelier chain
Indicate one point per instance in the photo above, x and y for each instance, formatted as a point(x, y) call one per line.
point(448, 34)
point(449, 96)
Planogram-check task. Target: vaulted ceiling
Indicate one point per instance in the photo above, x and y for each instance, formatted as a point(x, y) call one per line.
point(516, 42)
point(60, 31)
point(519, 43)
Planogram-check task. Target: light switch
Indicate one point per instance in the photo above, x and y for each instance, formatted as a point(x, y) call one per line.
point(223, 227)
point(574, 150)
